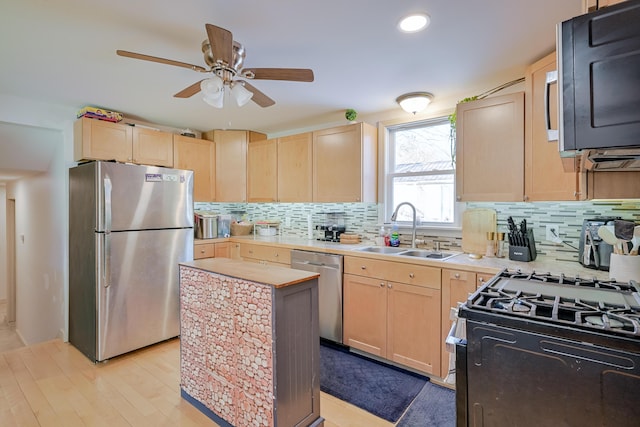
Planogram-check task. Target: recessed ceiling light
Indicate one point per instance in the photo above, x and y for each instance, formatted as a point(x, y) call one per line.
point(414, 22)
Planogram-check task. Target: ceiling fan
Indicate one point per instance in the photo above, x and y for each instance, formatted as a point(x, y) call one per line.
point(225, 58)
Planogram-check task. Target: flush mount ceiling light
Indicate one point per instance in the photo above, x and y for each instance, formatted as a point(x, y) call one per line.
point(414, 102)
point(213, 92)
point(414, 22)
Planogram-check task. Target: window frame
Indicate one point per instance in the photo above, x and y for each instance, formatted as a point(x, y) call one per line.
point(386, 129)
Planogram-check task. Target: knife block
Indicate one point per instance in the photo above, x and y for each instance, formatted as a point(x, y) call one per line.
point(524, 253)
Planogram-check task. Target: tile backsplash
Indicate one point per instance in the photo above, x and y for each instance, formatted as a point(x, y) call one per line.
point(365, 219)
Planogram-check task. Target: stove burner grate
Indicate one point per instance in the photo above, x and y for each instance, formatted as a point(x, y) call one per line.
point(603, 306)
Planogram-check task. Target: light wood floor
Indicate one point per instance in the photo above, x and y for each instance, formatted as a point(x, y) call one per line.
point(53, 384)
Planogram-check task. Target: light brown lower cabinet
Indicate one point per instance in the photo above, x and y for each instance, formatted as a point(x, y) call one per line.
point(264, 254)
point(390, 319)
point(457, 285)
point(206, 249)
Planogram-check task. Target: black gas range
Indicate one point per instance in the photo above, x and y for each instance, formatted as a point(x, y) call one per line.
point(546, 349)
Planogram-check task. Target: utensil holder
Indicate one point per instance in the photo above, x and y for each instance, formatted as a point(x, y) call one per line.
point(524, 253)
point(623, 268)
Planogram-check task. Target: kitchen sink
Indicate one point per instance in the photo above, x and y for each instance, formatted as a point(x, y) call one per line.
point(383, 249)
point(428, 254)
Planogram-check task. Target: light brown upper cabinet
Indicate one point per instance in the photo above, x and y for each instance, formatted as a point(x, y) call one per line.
point(262, 166)
point(345, 164)
point(590, 5)
point(152, 147)
point(101, 140)
point(199, 156)
point(231, 162)
point(295, 162)
point(490, 149)
point(545, 176)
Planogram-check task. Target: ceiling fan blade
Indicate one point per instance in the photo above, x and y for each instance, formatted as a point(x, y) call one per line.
point(189, 91)
point(221, 42)
point(258, 97)
point(160, 60)
point(292, 74)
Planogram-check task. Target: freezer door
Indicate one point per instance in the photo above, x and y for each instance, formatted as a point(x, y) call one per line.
point(135, 197)
point(138, 292)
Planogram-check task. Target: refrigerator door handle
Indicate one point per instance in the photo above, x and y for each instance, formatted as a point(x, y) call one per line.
point(107, 204)
point(106, 259)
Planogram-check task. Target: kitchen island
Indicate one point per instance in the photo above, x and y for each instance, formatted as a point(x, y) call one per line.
point(250, 347)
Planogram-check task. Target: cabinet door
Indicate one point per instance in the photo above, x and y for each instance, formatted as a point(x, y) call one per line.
point(545, 177)
point(456, 287)
point(262, 165)
point(100, 140)
point(199, 156)
point(222, 250)
point(344, 161)
point(413, 327)
point(295, 162)
point(365, 314)
point(490, 149)
point(231, 165)
point(152, 147)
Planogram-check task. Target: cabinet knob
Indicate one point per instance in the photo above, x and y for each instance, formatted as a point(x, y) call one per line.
point(481, 280)
point(389, 285)
point(411, 275)
point(457, 275)
point(363, 267)
point(525, 198)
point(458, 198)
point(382, 284)
point(201, 251)
point(276, 255)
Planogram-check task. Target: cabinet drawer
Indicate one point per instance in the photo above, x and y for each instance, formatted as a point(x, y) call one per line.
point(203, 250)
point(465, 276)
point(419, 275)
point(413, 274)
point(366, 267)
point(266, 253)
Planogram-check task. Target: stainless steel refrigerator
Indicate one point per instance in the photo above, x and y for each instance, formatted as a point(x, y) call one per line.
point(129, 227)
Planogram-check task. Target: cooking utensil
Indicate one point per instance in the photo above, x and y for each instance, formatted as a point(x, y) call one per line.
point(607, 235)
point(635, 240)
point(624, 229)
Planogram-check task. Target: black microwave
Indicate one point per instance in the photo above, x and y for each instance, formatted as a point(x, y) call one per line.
point(599, 79)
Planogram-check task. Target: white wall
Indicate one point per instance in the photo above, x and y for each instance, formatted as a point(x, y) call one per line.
point(40, 255)
point(42, 218)
point(3, 242)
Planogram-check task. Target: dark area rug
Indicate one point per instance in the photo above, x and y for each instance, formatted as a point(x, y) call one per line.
point(382, 390)
point(434, 406)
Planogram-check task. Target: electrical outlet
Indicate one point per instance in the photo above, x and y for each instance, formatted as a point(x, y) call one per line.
point(553, 233)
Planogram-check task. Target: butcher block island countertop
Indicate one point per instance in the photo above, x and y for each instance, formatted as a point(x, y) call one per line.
point(269, 275)
point(249, 343)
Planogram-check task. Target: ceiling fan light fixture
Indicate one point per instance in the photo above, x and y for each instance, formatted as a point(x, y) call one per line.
point(212, 86)
point(414, 102)
point(241, 94)
point(214, 101)
point(414, 22)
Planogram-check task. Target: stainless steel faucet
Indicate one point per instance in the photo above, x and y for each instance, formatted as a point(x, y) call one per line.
point(413, 230)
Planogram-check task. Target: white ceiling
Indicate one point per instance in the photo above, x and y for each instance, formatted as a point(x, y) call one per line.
point(63, 52)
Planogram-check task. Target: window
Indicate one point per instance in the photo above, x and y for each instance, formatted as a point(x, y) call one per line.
point(421, 171)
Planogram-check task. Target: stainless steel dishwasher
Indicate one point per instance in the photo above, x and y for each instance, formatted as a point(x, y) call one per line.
point(329, 288)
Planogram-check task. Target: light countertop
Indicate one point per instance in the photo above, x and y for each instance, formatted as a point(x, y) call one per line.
point(462, 261)
point(277, 277)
